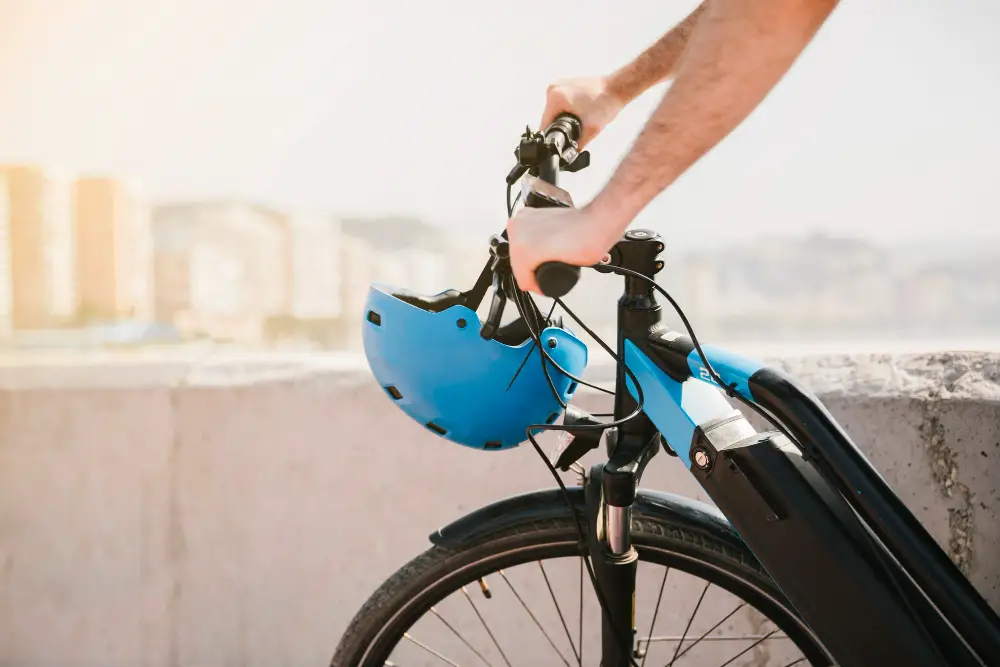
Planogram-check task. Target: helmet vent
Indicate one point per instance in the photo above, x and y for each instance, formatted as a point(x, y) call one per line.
point(572, 388)
point(437, 429)
point(493, 444)
point(392, 391)
point(374, 318)
point(552, 418)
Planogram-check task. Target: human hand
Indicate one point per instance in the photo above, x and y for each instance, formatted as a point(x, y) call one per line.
point(569, 235)
point(589, 99)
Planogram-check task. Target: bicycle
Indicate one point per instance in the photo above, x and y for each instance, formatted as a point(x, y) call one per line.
point(805, 530)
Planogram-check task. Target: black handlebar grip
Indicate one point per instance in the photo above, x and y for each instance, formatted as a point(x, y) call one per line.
point(556, 279)
point(575, 125)
point(567, 125)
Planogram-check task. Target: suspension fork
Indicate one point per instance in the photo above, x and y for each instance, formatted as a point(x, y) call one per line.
point(610, 493)
point(611, 487)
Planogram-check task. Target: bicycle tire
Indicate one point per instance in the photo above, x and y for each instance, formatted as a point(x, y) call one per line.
point(662, 539)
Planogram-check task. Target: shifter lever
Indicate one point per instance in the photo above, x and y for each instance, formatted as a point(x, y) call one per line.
point(580, 162)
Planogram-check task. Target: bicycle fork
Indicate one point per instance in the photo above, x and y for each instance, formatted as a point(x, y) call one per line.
point(611, 487)
point(610, 493)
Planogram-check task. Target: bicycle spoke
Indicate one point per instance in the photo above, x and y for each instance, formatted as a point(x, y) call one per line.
point(677, 638)
point(483, 621)
point(749, 648)
point(579, 661)
point(460, 637)
point(690, 621)
point(656, 612)
point(712, 629)
point(533, 618)
point(439, 650)
point(580, 641)
point(406, 635)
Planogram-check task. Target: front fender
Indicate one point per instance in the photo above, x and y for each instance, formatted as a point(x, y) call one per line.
point(550, 504)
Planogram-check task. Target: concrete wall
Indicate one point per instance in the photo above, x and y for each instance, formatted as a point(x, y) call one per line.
point(239, 514)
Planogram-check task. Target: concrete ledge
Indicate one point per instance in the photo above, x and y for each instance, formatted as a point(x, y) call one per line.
point(233, 511)
point(958, 375)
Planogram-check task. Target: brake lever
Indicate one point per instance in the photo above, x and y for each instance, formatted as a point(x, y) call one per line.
point(500, 266)
point(492, 323)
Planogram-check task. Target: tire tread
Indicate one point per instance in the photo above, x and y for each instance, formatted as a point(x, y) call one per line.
point(430, 565)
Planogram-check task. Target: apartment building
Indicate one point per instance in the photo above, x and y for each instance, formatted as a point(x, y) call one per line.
point(220, 268)
point(113, 250)
point(6, 282)
point(40, 240)
point(310, 256)
point(312, 261)
point(401, 252)
point(358, 269)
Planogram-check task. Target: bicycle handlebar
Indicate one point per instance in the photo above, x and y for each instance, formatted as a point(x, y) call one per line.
point(564, 132)
point(556, 279)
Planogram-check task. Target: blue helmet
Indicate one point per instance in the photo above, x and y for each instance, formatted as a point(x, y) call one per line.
point(429, 357)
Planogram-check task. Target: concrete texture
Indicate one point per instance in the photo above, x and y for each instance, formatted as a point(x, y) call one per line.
point(239, 513)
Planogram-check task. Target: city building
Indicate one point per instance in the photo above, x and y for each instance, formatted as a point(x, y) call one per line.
point(220, 269)
point(313, 262)
point(6, 282)
point(310, 255)
point(113, 250)
point(417, 269)
point(465, 256)
point(403, 252)
point(40, 243)
point(395, 233)
point(358, 269)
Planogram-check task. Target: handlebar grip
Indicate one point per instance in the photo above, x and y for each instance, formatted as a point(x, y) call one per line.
point(575, 125)
point(556, 279)
point(567, 125)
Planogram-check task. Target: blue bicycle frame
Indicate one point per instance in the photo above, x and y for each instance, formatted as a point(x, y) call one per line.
point(857, 565)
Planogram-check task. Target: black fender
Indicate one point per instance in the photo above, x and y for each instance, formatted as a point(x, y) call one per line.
point(550, 504)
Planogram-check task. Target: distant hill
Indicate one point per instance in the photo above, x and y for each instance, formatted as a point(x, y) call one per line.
point(395, 233)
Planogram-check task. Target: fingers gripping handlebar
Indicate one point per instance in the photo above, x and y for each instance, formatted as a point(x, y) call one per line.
point(563, 134)
point(556, 279)
point(558, 150)
point(541, 155)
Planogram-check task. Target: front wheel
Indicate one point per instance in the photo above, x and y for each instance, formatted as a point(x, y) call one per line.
point(520, 596)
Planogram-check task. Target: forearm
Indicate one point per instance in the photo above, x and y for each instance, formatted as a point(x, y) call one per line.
point(738, 52)
point(657, 63)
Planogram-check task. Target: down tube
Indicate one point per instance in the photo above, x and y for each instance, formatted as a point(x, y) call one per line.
point(800, 529)
point(847, 468)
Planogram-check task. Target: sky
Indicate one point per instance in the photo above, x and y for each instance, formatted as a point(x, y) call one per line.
point(886, 127)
